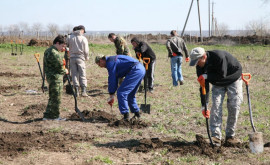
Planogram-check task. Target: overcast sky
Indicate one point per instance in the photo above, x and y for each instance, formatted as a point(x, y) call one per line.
point(133, 15)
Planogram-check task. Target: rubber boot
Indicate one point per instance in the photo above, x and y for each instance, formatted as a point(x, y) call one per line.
point(77, 91)
point(84, 94)
point(126, 117)
point(137, 114)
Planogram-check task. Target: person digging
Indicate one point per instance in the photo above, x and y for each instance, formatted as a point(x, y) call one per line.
point(123, 66)
point(224, 72)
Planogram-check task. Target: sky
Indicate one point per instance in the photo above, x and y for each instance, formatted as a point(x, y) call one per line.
point(133, 15)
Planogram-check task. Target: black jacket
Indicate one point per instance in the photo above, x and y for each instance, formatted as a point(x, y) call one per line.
point(145, 50)
point(222, 69)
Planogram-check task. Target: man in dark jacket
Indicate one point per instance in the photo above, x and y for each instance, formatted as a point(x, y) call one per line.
point(143, 50)
point(176, 49)
point(224, 72)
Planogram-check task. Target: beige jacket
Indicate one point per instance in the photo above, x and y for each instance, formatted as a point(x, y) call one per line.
point(78, 46)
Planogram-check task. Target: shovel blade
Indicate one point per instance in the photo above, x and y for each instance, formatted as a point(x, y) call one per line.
point(256, 142)
point(145, 108)
point(79, 113)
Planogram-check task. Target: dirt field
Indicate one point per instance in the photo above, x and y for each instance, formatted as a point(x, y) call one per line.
point(170, 134)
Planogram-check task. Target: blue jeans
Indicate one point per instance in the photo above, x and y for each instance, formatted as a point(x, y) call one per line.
point(176, 69)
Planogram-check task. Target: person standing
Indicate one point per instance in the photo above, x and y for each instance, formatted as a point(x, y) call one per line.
point(54, 70)
point(120, 44)
point(123, 66)
point(176, 48)
point(224, 72)
point(144, 50)
point(79, 53)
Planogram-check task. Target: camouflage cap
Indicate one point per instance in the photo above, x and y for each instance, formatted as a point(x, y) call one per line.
point(99, 57)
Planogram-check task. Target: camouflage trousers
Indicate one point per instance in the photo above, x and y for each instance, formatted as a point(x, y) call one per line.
point(55, 93)
point(234, 100)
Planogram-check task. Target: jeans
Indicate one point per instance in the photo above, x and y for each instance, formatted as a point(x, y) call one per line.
point(176, 69)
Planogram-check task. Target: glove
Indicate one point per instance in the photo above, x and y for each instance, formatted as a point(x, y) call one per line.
point(67, 49)
point(207, 114)
point(187, 59)
point(201, 79)
point(110, 100)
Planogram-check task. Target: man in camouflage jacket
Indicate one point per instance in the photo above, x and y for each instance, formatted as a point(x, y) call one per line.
point(120, 44)
point(54, 71)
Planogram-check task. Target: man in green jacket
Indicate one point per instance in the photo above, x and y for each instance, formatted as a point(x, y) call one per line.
point(54, 70)
point(120, 44)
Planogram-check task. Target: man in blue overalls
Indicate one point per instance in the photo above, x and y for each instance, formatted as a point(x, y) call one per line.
point(123, 66)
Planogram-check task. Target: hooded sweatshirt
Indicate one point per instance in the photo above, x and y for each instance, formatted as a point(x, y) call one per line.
point(78, 46)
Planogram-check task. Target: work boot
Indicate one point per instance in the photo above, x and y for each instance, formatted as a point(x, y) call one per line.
point(126, 117)
point(216, 141)
point(84, 94)
point(77, 91)
point(137, 114)
point(181, 82)
point(232, 141)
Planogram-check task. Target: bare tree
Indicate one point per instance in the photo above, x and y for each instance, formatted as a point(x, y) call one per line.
point(13, 30)
point(25, 29)
point(37, 27)
point(53, 29)
point(256, 27)
point(67, 28)
point(223, 29)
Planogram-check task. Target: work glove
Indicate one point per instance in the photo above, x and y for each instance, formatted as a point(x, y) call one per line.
point(205, 114)
point(110, 100)
point(202, 78)
point(187, 59)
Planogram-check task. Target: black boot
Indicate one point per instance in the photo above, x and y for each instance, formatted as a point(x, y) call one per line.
point(137, 114)
point(126, 116)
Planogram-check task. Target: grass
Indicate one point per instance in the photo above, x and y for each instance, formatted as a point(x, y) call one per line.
point(101, 159)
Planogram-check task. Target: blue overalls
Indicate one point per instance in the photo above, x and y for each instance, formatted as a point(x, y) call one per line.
point(125, 66)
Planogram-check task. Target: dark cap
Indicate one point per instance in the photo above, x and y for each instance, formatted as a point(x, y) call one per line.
point(80, 27)
point(75, 28)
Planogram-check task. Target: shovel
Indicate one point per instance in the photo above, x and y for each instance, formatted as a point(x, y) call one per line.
point(205, 106)
point(145, 107)
point(73, 93)
point(44, 88)
point(255, 138)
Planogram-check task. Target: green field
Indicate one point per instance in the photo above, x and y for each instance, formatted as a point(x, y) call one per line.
point(175, 111)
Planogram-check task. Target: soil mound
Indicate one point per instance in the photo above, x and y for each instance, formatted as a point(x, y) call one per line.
point(15, 75)
point(34, 110)
point(99, 116)
point(132, 123)
point(22, 142)
point(199, 147)
point(35, 42)
point(95, 116)
point(5, 89)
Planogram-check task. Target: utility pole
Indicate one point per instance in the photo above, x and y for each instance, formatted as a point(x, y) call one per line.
point(209, 18)
point(187, 19)
point(213, 24)
point(199, 20)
